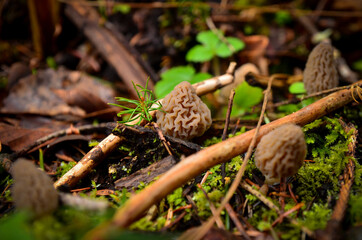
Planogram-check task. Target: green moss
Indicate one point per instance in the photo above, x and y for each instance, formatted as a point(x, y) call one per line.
point(317, 217)
point(327, 147)
point(355, 209)
point(64, 168)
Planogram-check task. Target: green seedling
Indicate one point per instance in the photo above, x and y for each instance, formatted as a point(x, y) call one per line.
point(212, 45)
point(176, 75)
point(145, 103)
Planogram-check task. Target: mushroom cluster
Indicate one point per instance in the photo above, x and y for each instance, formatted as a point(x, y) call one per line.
point(183, 114)
point(320, 72)
point(33, 189)
point(281, 152)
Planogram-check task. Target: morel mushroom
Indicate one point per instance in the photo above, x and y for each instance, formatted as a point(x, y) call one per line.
point(183, 113)
point(281, 153)
point(33, 189)
point(320, 72)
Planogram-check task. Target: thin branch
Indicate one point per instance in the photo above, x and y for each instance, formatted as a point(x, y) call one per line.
point(163, 139)
point(317, 94)
point(224, 134)
point(271, 205)
point(261, 9)
point(218, 221)
point(236, 221)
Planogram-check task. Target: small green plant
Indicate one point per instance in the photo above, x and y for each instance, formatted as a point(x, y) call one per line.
point(176, 75)
point(212, 46)
point(143, 105)
point(246, 96)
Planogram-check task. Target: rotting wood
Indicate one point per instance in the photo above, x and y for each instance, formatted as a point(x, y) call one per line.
point(116, 53)
point(145, 175)
point(218, 153)
point(93, 157)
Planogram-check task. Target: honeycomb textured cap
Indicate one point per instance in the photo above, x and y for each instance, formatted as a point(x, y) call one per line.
point(320, 72)
point(185, 116)
point(33, 189)
point(281, 152)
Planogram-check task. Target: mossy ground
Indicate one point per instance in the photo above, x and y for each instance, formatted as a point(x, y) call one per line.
point(317, 185)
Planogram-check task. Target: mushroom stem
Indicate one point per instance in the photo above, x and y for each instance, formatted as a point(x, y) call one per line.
point(264, 189)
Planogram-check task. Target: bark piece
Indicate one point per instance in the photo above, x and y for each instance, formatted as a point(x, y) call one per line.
point(145, 175)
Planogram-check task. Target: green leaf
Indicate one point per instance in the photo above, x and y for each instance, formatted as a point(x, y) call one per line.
point(15, 227)
point(224, 50)
point(297, 88)
point(208, 38)
point(172, 77)
point(247, 96)
point(200, 53)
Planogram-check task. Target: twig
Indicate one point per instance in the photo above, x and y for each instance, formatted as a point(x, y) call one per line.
point(110, 143)
point(218, 221)
point(271, 205)
point(6, 160)
point(317, 94)
point(222, 38)
point(162, 138)
point(236, 221)
point(284, 214)
point(261, 9)
point(199, 162)
point(64, 132)
point(224, 133)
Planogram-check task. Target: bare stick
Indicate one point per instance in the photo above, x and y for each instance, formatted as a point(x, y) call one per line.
point(218, 221)
point(224, 134)
point(110, 143)
point(236, 221)
point(199, 162)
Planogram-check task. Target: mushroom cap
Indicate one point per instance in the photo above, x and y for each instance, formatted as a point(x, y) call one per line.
point(281, 152)
point(33, 189)
point(320, 72)
point(184, 115)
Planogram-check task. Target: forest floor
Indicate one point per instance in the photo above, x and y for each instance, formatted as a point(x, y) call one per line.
point(81, 83)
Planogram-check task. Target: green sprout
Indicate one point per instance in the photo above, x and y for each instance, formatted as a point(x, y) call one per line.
point(145, 103)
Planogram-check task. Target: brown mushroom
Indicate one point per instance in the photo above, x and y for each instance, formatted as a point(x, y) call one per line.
point(184, 115)
point(281, 153)
point(320, 72)
point(33, 189)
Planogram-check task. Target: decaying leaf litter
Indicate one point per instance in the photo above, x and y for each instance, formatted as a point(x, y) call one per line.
point(122, 180)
